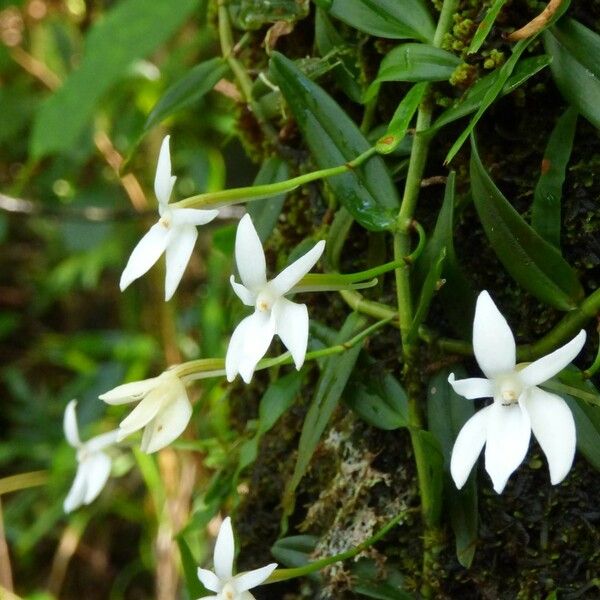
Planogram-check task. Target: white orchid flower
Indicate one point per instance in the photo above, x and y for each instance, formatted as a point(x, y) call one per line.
point(164, 409)
point(519, 406)
point(273, 313)
point(175, 232)
point(93, 464)
point(227, 585)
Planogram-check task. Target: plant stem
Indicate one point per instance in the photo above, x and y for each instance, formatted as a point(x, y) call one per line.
point(416, 167)
point(259, 192)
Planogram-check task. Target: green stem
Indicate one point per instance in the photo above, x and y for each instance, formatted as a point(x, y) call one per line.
point(317, 565)
point(22, 481)
point(205, 368)
point(413, 386)
point(259, 192)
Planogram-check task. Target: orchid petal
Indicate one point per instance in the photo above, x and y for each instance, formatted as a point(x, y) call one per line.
point(70, 425)
point(291, 325)
point(249, 255)
point(129, 392)
point(209, 580)
point(163, 181)
point(76, 494)
point(554, 428)
point(493, 341)
point(192, 216)
point(224, 551)
point(249, 343)
point(468, 446)
point(104, 440)
point(97, 471)
point(168, 425)
point(250, 579)
point(546, 367)
point(244, 294)
point(179, 250)
point(143, 413)
point(209, 597)
point(145, 254)
point(292, 274)
point(475, 387)
point(508, 433)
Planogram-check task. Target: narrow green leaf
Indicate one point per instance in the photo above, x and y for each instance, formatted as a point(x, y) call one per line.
point(416, 62)
point(384, 18)
point(294, 551)
point(190, 569)
point(472, 100)
point(195, 84)
point(429, 288)
point(367, 192)
point(130, 31)
point(328, 41)
point(333, 379)
point(276, 400)
point(401, 120)
point(378, 398)
point(456, 293)
point(575, 49)
point(369, 582)
point(532, 262)
point(500, 79)
point(485, 26)
point(266, 212)
point(447, 412)
point(545, 211)
point(432, 458)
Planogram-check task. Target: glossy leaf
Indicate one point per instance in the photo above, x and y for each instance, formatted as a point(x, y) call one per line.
point(384, 18)
point(532, 262)
point(575, 49)
point(486, 25)
point(457, 292)
point(416, 62)
point(546, 208)
point(447, 412)
point(266, 212)
point(432, 459)
point(294, 551)
point(328, 41)
point(195, 84)
point(378, 398)
point(472, 100)
point(190, 569)
point(130, 31)
point(401, 120)
point(334, 376)
point(367, 191)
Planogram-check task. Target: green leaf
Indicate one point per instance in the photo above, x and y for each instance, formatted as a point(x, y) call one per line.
point(195, 84)
point(276, 400)
point(130, 31)
point(378, 398)
point(474, 97)
point(401, 120)
point(457, 292)
point(328, 41)
point(429, 454)
point(531, 261)
point(334, 376)
point(485, 26)
point(368, 581)
point(367, 192)
point(266, 212)
point(294, 551)
point(545, 211)
point(575, 49)
point(190, 569)
point(384, 18)
point(429, 288)
point(416, 62)
point(447, 412)
point(495, 89)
